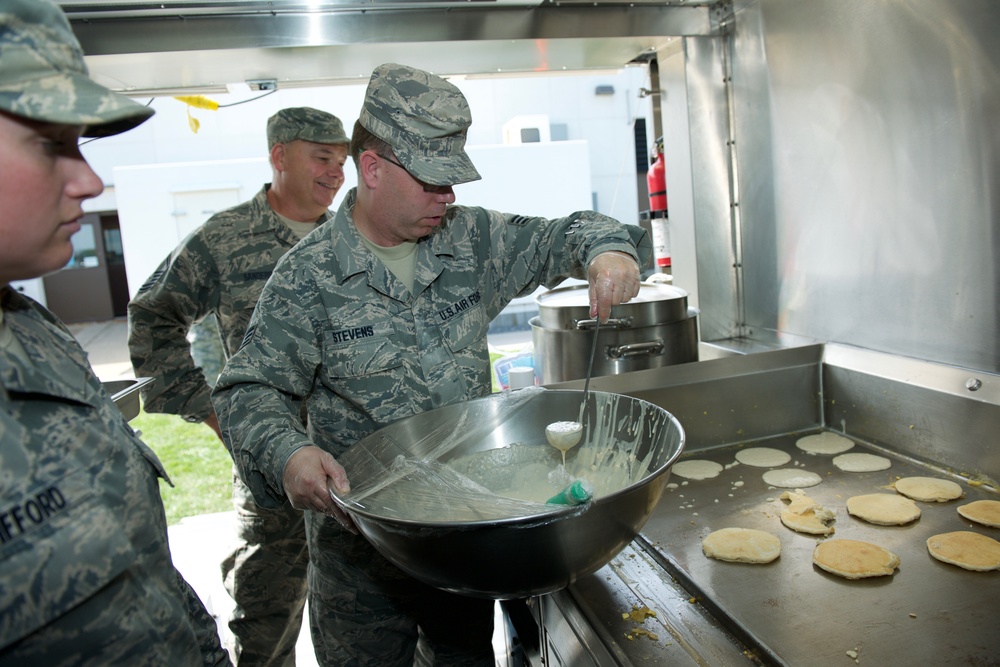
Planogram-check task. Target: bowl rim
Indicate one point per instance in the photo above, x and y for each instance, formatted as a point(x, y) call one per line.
point(559, 513)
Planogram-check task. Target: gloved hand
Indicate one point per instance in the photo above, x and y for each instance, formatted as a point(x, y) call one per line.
point(614, 278)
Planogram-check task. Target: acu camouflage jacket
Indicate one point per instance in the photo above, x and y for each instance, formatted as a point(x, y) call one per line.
point(335, 329)
point(87, 575)
point(220, 268)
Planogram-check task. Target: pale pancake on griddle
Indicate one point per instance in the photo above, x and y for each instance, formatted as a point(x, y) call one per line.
point(852, 559)
point(763, 457)
point(826, 442)
point(966, 549)
point(791, 478)
point(883, 509)
point(861, 462)
point(986, 512)
point(741, 545)
point(928, 489)
point(696, 469)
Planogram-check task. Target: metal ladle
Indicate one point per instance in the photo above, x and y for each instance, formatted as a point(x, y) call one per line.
point(565, 435)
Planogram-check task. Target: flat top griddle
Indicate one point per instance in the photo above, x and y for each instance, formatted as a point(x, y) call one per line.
point(794, 613)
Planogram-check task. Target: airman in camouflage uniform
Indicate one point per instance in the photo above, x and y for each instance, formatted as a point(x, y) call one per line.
point(220, 269)
point(381, 314)
point(87, 574)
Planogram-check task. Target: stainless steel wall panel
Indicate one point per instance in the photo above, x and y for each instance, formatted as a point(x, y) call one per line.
point(677, 156)
point(708, 121)
point(938, 415)
point(873, 125)
point(752, 145)
point(719, 401)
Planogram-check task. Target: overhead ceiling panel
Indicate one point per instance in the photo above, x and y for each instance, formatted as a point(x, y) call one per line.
point(143, 47)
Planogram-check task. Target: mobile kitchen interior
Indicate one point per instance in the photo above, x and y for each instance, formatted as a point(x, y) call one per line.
point(834, 177)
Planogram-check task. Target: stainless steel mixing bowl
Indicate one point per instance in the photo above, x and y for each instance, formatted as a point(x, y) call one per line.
point(514, 556)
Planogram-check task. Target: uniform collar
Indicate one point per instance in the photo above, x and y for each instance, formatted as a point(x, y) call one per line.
point(265, 220)
point(62, 372)
point(355, 258)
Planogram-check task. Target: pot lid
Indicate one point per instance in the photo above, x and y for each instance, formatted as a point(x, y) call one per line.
point(578, 295)
point(566, 307)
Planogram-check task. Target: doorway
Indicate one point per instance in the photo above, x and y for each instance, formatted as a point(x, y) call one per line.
point(93, 287)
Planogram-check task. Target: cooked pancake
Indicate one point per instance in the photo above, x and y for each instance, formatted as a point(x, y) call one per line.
point(852, 559)
point(966, 549)
point(741, 545)
point(928, 489)
point(986, 512)
point(805, 515)
point(883, 509)
point(763, 457)
point(696, 469)
point(861, 462)
point(791, 478)
point(826, 442)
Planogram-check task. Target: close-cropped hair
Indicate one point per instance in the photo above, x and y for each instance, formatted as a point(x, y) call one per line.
point(362, 140)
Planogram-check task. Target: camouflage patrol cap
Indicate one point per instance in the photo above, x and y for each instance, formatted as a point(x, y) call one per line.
point(43, 76)
point(307, 124)
point(424, 118)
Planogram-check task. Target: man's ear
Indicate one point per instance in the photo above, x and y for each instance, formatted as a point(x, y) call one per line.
point(369, 169)
point(278, 156)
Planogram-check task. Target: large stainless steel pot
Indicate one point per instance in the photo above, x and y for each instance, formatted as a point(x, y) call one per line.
point(653, 330)
point(509, 555)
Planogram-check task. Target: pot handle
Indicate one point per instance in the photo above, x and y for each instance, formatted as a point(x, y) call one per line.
point(637, 349)
point(613, 322)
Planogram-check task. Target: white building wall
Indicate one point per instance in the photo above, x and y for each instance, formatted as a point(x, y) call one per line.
point(147, 205)
point(238, 132)
point(589, 164)
point(516, 179)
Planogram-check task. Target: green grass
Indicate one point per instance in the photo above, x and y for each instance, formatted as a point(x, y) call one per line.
point(196, 461)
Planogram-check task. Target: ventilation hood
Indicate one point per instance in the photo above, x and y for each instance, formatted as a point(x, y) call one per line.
point(143, 48)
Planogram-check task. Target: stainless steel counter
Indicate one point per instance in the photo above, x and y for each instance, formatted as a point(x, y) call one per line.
point(924, 418)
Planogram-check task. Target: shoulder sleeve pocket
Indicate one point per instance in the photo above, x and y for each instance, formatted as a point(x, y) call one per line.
point(471, 327)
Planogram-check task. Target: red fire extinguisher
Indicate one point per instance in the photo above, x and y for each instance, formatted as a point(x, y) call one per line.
point(656, 182)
